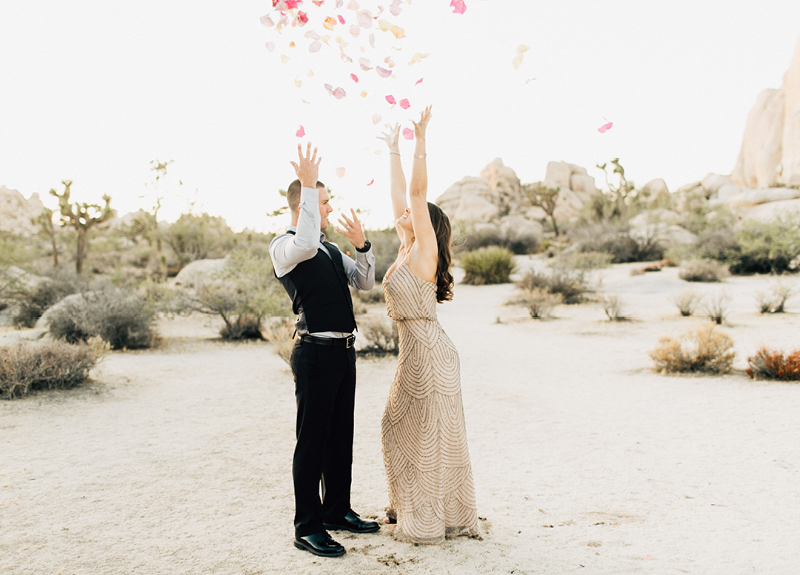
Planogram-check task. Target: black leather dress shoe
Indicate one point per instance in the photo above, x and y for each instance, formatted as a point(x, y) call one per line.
point(353, 523)
point(319, 544)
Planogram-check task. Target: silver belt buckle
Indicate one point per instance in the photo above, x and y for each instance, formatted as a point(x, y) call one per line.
point(351, 340)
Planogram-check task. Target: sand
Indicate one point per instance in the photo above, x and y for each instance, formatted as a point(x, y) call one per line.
point(178, 460)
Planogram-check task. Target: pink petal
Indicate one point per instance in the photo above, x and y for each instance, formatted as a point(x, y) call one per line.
point(301, 132)
point(418, 82)
point(355, 31)
point(315, 47)
point(302, 17)
point(353, 5)
point(404, 104)
point(395, 8)
point(354, 77)
point(376, 118)
point(372, 181)
point(458, 6)
point(329, 88)
point(408, 133)
point(339, 3)
point(267, 21)
point(382, 72)
point(365, 64)
point(340, 172)
point(391, 99)
point(339, 93)
point(372, 40)
point(341, 20)
point(602, 129)
point(270, 46)
point(365, 19)
point(311, 35)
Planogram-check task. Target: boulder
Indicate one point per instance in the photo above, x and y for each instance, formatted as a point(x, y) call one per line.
point(727, 192)
point(15, 337)
point(199, 271)
point(468, 201)
point(770, 211)
point(763, 196)
point(43, 323)
point(504, 186)
point(16, 212)
point(519, 228)
point(713, 182)
point(21, 277)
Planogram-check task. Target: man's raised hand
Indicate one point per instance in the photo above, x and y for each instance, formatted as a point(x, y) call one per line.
point(307, 169)
point(352, 230)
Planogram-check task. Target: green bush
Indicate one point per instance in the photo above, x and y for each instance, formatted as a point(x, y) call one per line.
point(196, 237)
point(489, 265)
point(616, 238)
point(768, 247)
point(31, 366)
point(118, 316)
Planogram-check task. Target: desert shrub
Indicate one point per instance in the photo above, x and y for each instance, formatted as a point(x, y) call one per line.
point(539, 301)
point(48, 293)
point(775, 300)
point(196, 237)
point(686, 302)
point(280, 333)
point(618, 239)
point(766, 364)
point(31, 366)
point(242, 294)
point(613, 306)
point(468, 238)
point(768, 247)
point(716, 306)
point(116, 315)
point(568, 282)
point(701, 350)
point(703, 271)
point(489, 265)
point(373, 296)
point(380, 335)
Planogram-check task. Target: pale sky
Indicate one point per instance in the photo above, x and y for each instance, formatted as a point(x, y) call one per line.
point(93, 90)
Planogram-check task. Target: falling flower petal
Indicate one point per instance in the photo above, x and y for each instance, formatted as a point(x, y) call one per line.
point(521, 49)
point(329, 88)
point(344, 56)
point(395, 8)
point(291, 4)
point(318, 2)
point(329, 23)
point(605, 127)
point(417, 58)
point(391, 99)
point(302, 17)
point(372, 181)
point(340, 172)
point(301, 132)
point(384, 25)
point(363, 94)
point(355, 31)
point(270, 46)
point(382, 72)
point(376, 118)
point(389, 61)
point(339, 40)
point(304, 101)
point(267, 21)
point(365, 19)
point(372, 40)
point(398, 32)
point(298, 83)
point(404, 104)
point(380, 11)
point(339, 3)
point(315, 47)
point(418, 82)
point(311, 35)
point(354, 77)
point(341, 19)
point(310, 74)
point(326, 38)
point(365, 64)
point(339, 93)
point(408, 133)
point(292, 44)
point(458, 6)
point(353, 5)
point(285, 58)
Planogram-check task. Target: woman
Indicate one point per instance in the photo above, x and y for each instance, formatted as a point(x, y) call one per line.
point(431, 492)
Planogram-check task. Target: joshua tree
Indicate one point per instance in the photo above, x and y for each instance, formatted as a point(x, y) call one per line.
point(541, 196)
point(83, 217)
point(149, 220)
point(45, 221)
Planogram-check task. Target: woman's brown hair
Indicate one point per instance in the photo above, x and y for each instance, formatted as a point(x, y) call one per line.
point(444, 279)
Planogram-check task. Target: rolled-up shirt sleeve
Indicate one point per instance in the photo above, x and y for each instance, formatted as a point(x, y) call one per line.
point(288, 251)
point(361, 272)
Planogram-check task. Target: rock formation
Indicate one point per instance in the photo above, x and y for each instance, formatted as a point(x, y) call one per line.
point(770, 153)
point(16, 212)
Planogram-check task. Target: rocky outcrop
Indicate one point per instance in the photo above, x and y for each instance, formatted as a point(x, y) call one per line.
point(16, 212)
point(770, 153)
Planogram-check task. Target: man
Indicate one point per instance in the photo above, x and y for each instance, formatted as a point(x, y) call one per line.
point(316, 276)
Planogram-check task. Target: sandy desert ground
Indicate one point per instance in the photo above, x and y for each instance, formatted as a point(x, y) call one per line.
point(178, 460)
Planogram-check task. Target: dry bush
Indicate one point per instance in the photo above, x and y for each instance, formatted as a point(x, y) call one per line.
point(31, 366)
point(245, 326)
point(375, 295)
point(280, 332)
point(569, 283)
point(775, 300)
point(488, 265)
point(716, 306)
point(613, 306)
point(703, 271)
point(120, 317)
point(766, 364)
point(540, 302)
point(637, 272)
point(36, 301)
point(380, 335)
point(701, 350)
point(687, 301)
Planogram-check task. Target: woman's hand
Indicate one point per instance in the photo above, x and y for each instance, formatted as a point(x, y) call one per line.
point(392, 138)
point(422, 125)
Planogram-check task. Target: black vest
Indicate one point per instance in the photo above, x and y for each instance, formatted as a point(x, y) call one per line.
point(319, 286)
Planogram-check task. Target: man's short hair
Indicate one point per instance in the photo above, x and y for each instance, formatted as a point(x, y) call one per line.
point(293, 194)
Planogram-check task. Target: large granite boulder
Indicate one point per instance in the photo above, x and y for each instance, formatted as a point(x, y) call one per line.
point(770, 153)
point(655, 192)
point(469, 201)
point(43, 323)
point(16, 212)
point(770, 211)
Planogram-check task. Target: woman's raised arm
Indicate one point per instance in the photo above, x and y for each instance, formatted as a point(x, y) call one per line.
point(398, 179)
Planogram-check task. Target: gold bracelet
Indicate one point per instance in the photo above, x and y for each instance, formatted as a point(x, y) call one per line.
point(421, 157)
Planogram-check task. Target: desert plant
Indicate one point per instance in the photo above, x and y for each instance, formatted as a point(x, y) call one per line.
point(766, 364)
point(31, 366)
point(82, 217)
point(116, 315)
point(35, 301)
point(703, 271)
point(704, 349)
point(768, 247)
point(618, 239)
point(196, 237)
point(489, 265)
point(539, 301)
point(775, 300)
point(46, 228)
point(613, 306)
point(280, 333)
point(716, 306)
point(381, 336)
point(686, 302)
point(467, 238)
point(541, 196)
point(373, 296)
point(569, 283)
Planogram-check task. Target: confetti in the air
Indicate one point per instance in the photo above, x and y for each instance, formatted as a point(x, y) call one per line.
point(391, 99)
point(354, 77)
point(267, 21)
point(339, 93)
point(270, 46)
point(521, 49)
point(298, 82)
point(418, 82)
point(404, 104)
point(605, 127)
point(417, 58)
point(458, 6)
point(301, 132)
point(285, 58)
point(408, 133)
point(340, 172)
point(376, 118)
point(383, 72)
point(372, 181)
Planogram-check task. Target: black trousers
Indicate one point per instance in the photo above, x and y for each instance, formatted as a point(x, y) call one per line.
point(325, 388)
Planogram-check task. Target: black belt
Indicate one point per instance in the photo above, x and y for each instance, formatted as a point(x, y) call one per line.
point(346, 342)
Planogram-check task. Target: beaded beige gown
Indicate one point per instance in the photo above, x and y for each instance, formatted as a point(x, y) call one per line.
point(431, 491)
